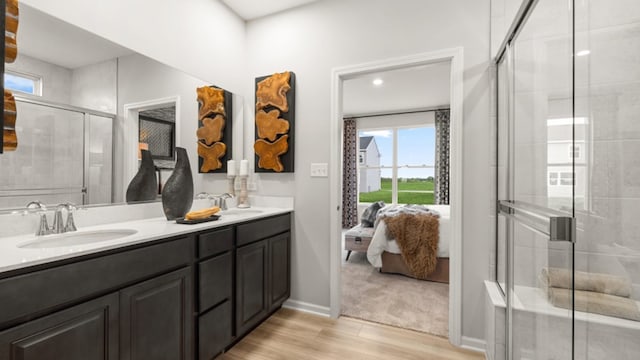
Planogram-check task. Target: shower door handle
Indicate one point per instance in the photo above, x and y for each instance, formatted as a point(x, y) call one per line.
point(562, 228)
point(555, 224)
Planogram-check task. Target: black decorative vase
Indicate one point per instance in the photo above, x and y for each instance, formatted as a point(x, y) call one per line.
point(143, 186)
point(177, 193)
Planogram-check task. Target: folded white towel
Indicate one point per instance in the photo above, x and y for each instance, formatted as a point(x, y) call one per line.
point(586, 281)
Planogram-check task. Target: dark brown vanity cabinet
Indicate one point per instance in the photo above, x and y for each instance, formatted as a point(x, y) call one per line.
point(133, 303)
point(87, 331)
point(262, 270)
point(188, 297)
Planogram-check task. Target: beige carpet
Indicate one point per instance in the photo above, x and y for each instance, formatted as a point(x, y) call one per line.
point(393, 299)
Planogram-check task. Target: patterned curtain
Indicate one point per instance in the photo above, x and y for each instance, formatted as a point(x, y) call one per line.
point(350, 175)
point(441, 191)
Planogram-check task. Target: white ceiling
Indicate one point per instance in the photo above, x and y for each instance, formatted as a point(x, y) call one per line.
point(412, 88)
point(52, 40)
point(252, 9)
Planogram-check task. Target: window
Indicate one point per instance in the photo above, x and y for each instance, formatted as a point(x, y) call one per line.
point(566, 178)
point(403, 170)
point(361, 157)
point(24, 83)
point(157, 132)
point(574, 151)
point(560, 178)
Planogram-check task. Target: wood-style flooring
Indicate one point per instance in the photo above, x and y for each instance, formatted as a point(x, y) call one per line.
point(290, 334)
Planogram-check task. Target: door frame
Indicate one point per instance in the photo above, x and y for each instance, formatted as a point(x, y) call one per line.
point(130, 131)
point(338, 76)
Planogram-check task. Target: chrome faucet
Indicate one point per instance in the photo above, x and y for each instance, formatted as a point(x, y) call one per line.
point(223, 200)
point(40, 208)
point(58, 225)
point(216, 200)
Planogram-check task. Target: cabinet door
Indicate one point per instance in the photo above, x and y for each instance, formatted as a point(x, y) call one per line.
point(279, 270)
point(251, 285)
point(156, 318)
point(85, 332)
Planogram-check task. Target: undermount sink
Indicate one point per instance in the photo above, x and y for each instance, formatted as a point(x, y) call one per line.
point(75, 238)
point(241, 212)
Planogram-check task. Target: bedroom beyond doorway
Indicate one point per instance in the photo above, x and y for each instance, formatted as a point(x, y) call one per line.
point(396, 128)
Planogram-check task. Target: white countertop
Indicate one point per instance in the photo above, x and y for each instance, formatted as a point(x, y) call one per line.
point(12, 257)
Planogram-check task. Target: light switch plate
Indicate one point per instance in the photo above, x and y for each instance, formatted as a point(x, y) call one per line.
point(319, 170)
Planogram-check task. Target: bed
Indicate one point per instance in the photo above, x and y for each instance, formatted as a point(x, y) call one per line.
point(384, 253)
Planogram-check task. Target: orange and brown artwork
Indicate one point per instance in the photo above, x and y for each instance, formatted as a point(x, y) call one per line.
point(211, 155)
point(211, 102)
point(11, 31)
point(212, 130)
point(273, 91)
point(10, 114)
point(269, 153)
point(270, 125)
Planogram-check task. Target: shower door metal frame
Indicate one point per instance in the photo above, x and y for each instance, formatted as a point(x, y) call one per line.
point(86, 115)
point(554, 224)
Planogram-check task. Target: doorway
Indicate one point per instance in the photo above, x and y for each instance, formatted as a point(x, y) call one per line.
point(131, 125)
point(340, 75)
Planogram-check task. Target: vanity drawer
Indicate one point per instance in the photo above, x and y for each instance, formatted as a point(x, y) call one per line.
point(260, 229)
point(214, 331)
point(215, 242)
point(216, 277)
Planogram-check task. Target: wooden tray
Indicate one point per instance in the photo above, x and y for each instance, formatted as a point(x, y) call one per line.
point(197, 221)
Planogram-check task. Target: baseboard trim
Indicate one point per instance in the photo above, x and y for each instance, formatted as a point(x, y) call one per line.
point(473, 344)
point(307, 307)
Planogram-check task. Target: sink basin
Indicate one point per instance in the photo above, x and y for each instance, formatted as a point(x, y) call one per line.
point(75, 238)
point(241, 212)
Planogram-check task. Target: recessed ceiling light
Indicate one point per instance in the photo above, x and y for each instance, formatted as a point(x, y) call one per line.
point(378, 82)
point(583, 53)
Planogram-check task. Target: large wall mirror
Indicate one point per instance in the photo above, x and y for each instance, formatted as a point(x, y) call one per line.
point(81, 100)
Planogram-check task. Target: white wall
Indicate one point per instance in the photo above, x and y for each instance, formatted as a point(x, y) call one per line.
point(94, 86)
point(201, 37)
point(335, 33)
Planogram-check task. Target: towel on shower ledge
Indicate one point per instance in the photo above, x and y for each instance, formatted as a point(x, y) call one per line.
point(586, 281)
point(595, 303)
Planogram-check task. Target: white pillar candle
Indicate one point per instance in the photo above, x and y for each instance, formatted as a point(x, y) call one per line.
point(244, 167)
point(231, 168)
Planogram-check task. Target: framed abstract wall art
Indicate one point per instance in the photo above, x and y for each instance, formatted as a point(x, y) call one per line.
point(214, 132)
point(274, 123)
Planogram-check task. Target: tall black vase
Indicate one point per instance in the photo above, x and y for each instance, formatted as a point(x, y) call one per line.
point(177, 193)
point(143, 186)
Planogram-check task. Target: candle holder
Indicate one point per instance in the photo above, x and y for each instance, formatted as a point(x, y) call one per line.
point(243, 199)
point(232, 184)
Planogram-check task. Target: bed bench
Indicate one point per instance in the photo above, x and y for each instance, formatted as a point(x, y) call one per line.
point(357, 238)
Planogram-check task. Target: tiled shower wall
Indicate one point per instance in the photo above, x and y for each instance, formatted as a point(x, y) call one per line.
point(608, 95)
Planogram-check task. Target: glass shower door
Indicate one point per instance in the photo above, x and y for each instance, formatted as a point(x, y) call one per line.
point(536, 187)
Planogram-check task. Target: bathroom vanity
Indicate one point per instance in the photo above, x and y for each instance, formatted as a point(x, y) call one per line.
point(168, 292)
